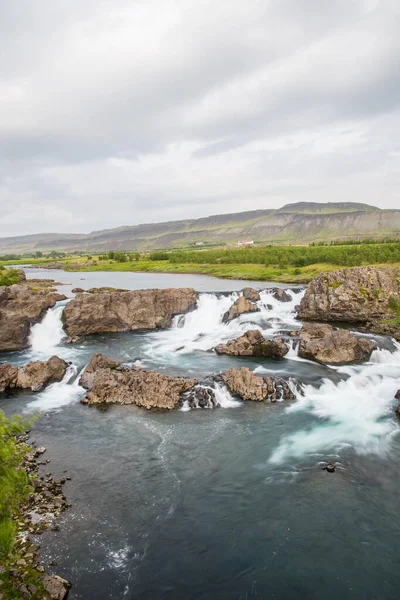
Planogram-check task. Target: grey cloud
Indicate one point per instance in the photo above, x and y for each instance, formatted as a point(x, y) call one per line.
point(181, 91)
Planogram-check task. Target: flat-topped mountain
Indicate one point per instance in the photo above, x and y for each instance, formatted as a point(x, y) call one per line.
point(293, 223)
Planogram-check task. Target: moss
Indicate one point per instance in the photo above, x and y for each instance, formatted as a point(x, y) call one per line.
point(335, 284)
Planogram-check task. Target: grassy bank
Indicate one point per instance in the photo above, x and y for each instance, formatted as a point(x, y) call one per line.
point(285, 264)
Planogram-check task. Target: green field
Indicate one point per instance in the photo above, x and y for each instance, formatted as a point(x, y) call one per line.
point(286, 264)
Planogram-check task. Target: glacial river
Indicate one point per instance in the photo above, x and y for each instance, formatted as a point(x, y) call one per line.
point(224, 504)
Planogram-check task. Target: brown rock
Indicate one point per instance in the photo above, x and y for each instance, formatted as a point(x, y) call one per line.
point(137, 310)
point(56, 587)
point(132, 385)
point(251, 294)
point(98, 362)
point(78, 290)
point(20, 308)
point(253, 343)
point(8, 376)
point(360, 295)
point(324, 344)
point(239, 307)
point(34, 375)
point(281, 295)
point(248, 386)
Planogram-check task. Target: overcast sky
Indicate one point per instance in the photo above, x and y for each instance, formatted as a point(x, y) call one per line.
point(119, 112)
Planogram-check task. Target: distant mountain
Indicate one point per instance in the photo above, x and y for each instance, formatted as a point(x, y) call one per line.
point(294, 223)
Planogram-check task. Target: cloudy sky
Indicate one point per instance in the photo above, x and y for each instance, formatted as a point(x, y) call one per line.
point(117, 112)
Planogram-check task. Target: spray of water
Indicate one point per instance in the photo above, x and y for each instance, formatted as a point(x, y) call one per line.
point(356, 412)
point(59, 394)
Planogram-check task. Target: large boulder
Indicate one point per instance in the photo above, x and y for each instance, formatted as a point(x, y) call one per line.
point(253, 343)
point(362, 295)
point(56, 587)
point(113, 383)
point(137, 310)
point(241, 306)
point(34, 375)
point(251, 294)
point(248, 386)
point(282, 295)
point(20, 308)
point(324, 344)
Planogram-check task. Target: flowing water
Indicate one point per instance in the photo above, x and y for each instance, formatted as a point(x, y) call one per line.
point(230, 503)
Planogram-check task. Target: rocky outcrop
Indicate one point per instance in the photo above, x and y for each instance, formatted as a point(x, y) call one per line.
point(138, 310)
point(78, 290)
point(34, 376)
point(362, 295)
point(282, 296)
point(241, 306)
point(56, 587)
point(20, 308)
point(112, 383)
point(251, 294)
point(248, 386)
point(253, 343)
point(326, 345)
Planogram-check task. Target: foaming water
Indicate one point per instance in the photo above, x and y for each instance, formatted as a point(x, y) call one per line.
point(223, 397)
point(355, 412)
point(49, 333)
point(203, 329)
point(58, 394)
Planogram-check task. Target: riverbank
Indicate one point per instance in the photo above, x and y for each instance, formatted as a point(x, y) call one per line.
point(29, 505)
point(247, 271)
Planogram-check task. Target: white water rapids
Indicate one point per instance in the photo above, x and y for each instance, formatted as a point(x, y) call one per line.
point(355, 412)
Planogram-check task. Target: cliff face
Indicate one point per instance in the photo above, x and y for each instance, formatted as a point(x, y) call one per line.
point(292, 223)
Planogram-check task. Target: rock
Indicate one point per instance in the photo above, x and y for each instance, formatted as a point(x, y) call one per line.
point(253, 343)
point(326, 345)
point(397, 395)
point(20, 308)
point(34, 375)
point(78, 290)
point(362, 295)
point(98, 362)
point(251, 294)
point(201, 397)
point(56, 587)
point(281, 295)
point(133, 385)
point(239, 307)
point(248, 386)
point(8, 376)
point(330, 467)
point(137, 310)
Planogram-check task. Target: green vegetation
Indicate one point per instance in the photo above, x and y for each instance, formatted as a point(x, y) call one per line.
point(14, 482)
point(394, 304)
point(289, 264)
point(8, 276)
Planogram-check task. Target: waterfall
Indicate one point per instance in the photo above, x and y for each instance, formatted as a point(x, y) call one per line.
point(49, 333)
point(356, 412)
point(203, 329)
point(59, 394)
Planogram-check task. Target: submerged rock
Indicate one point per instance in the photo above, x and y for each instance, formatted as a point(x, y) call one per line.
point(20, 308)
point(241, 306)
point(326, 345)
point(34, 375)
point(282, 296)
point(248, 386)
point(201, 396)
point(253, 343)
point(362, 295)
point(138, 310)
point(112, 383)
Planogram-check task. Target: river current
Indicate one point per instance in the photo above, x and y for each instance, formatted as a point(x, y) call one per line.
point(230, 503)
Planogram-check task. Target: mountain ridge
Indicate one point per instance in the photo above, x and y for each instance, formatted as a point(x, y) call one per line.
point(293, 223)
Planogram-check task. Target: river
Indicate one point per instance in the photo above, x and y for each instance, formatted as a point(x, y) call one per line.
point(230, 503)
